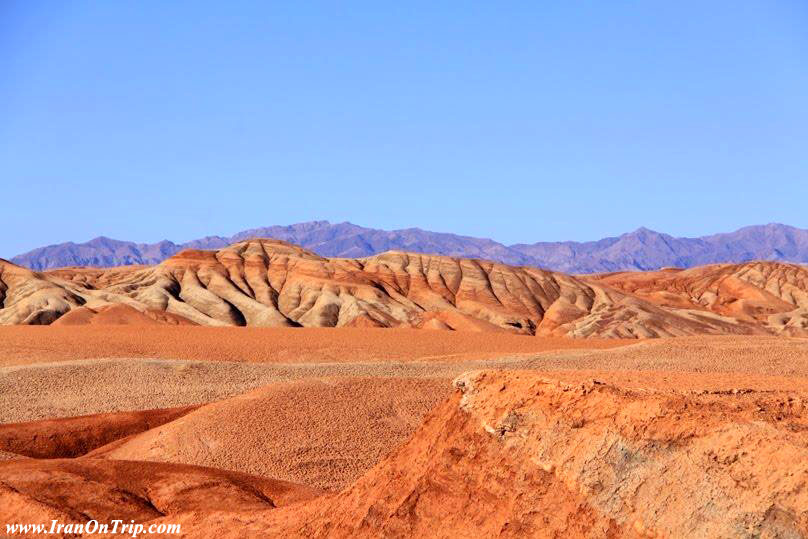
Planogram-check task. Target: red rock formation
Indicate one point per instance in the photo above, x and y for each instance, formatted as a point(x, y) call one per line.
point(510, 454)
point(272, 283)
point(771, 295)
point(518, 455)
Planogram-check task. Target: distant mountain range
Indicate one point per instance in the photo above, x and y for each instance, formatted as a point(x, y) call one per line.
point(642, 249)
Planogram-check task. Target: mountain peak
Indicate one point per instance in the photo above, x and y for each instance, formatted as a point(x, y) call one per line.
point(643, 231)
point(641, 249)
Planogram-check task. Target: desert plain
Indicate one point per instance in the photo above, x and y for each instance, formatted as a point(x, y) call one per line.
point(262, 391)
point(402, 432)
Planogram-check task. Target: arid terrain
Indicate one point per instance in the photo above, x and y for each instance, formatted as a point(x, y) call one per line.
point(317, 270)
point(294, 432)
point(270, 283)
point(128, 405)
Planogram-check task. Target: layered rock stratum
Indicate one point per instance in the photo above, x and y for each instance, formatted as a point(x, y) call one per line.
point(271, 283)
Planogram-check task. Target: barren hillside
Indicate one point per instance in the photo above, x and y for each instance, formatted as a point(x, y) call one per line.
point(772, 295)
point(275, 284)
point(519, 455)
point(509, 454)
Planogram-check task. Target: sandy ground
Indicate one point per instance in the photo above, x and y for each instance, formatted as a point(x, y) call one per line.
point(37, 344)
point(69, 388)
point(321, 407)
point(323, 423)
point(322, 433)
point(7, 455)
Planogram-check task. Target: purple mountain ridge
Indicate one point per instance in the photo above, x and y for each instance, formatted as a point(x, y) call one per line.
point(641, 249)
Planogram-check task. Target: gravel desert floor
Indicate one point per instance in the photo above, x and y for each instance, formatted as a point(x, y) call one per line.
point(150, 412)
point(41, 344)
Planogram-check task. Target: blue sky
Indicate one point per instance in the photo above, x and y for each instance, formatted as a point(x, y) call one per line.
point(519, 121)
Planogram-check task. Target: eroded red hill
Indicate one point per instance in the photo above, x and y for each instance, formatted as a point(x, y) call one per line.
point(276, 284)
point(519, 455)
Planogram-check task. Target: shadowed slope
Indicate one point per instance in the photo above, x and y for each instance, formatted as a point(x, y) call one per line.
point(38, 491)
point(275, 284)
point(74, 436)
point(27, 297)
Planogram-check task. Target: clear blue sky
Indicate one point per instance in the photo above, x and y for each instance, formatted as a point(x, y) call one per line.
point(519, 121)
